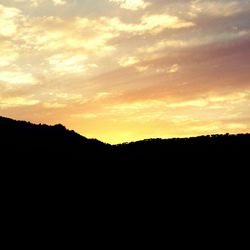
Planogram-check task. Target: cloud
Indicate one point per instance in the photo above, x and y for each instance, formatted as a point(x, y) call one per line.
point(12, 102)
point(174, 68)
point(142, 116)
point(128, 61)
point(216, 8)
point(151, 24)
point(53, 33)
point(66, 63)
point(54, 105)
point(59, 2)
point(70, 63)
point(132, 4)
point(161, 22)
point(8, 20)
point(141, 69)
point(36, 3)
point(80, 38)
point(228, 36)
point(8, 54)
point(17, 77)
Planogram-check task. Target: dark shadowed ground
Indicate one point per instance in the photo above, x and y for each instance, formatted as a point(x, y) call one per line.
point(177, 180)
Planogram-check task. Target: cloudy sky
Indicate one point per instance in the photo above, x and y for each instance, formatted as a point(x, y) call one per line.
point(123, 70)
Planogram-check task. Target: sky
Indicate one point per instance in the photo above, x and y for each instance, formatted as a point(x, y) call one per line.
point(126, 70)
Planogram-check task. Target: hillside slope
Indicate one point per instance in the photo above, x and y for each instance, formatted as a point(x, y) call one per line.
point(45, 142)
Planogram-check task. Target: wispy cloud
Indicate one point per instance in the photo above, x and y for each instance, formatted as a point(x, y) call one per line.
point(217, 8)
point(132, 4)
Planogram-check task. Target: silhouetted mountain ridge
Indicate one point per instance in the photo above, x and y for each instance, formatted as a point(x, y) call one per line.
point(44, 141)
point(56, 141)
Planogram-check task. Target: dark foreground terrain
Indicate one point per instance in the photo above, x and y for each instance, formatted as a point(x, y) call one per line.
point(51, 163)
point(25, 142)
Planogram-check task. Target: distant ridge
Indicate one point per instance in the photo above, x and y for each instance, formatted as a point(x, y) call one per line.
point(44, 141)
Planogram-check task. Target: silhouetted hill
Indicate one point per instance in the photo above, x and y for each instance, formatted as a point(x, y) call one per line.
point(45, 142)
point(48, 171)
point(209, 146)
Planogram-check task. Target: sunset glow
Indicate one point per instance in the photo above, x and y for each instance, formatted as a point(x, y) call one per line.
point(125, 70)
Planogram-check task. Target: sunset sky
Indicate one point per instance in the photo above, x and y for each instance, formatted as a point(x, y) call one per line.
point(124, 70)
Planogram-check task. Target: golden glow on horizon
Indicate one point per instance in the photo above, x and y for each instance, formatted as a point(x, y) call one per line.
point(124, 70)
